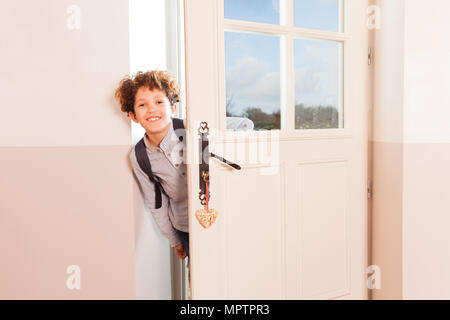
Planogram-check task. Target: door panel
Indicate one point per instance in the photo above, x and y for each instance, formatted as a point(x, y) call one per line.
point(322, 226)
point(254, 235)
point(293, 227)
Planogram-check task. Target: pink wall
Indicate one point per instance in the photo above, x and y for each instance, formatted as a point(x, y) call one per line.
point(63, 206)
point(67, 189)
point(427, 151)
point(411, 150)
point(426, 222)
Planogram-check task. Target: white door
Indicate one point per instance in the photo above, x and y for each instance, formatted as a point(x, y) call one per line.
point(292, 222)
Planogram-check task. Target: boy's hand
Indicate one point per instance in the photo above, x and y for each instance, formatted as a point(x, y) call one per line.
point(180, 251)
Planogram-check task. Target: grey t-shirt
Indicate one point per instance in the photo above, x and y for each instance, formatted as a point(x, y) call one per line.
point(168, 163)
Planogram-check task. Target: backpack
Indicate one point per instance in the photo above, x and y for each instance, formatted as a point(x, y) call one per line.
point(144, 161)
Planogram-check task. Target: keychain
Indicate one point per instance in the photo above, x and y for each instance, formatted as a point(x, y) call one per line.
point(206, 216)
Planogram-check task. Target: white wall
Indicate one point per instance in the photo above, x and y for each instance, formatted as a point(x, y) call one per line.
point(427, 71)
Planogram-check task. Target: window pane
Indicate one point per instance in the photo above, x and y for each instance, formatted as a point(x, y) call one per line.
point(318, 84)
point(317, 14)
point(265, 11)
point(252, 70)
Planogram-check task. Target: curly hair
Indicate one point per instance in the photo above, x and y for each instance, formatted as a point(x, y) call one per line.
point(155, 79)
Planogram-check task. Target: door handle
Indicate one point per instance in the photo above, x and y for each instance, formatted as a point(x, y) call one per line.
point(231, 164)
point(204, 177)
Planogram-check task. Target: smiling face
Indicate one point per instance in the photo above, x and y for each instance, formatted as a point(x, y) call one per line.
point(152, 110)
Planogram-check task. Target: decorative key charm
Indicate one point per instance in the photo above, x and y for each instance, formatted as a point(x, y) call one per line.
point(207, 216)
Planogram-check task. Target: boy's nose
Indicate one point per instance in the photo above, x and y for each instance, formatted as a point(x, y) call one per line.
point(151, 107)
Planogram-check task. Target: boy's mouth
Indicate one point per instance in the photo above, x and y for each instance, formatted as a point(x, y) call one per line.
point(153, 119)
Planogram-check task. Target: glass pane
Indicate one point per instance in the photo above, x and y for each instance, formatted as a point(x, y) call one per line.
point(318, 14)
point(318, 84)
point(252, 70)
point(265, 11)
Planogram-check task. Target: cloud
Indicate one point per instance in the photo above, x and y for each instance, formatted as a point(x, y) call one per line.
point(306, 81)
point(245, 73)
point(250, 83)
point(317, 77)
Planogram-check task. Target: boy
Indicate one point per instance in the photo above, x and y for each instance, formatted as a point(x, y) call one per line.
point(150, 99)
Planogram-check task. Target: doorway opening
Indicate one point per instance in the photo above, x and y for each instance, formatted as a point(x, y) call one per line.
point(157, 42)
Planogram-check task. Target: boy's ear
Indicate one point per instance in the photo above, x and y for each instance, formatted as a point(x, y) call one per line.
point(132, 116)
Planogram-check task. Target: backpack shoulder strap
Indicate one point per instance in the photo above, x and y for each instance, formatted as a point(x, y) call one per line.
point(144, 163)
point(178, 124)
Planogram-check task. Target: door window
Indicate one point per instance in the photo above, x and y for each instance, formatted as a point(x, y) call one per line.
point(284, 63)
point(252, 66)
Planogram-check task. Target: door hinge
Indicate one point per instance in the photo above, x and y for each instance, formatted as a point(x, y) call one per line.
point(369, 189)
point(370, 56)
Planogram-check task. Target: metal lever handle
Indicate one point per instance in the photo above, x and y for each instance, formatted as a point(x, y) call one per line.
point(231, 164)
point(204, 155)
